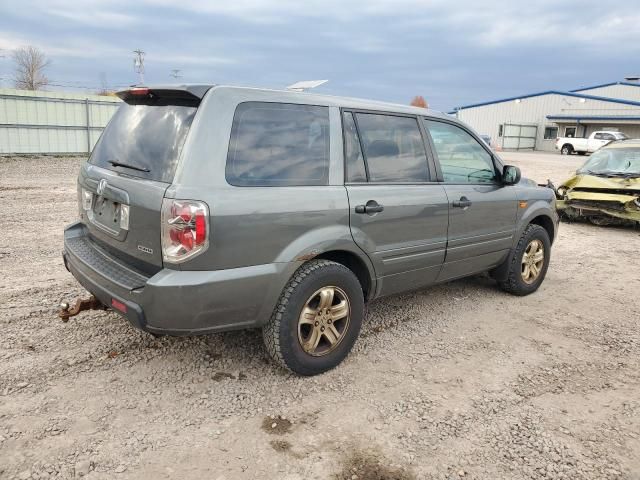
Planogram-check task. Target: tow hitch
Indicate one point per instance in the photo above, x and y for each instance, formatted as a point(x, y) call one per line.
point(91, 303)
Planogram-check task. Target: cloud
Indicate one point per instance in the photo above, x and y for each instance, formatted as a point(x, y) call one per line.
point(451, 52)
point(99, 19)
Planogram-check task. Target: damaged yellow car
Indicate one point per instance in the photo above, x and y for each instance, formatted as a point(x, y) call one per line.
point(606, 189)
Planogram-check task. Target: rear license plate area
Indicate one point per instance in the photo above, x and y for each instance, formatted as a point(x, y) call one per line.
point(107, 213)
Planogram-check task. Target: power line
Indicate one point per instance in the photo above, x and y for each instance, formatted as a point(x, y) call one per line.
point(83, 87)
point(69, 84)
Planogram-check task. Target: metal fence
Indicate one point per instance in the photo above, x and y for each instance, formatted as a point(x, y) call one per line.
point(52, 122)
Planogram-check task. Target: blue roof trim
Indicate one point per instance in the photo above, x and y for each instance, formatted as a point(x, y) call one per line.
point(552, 92)
point(629, 84)
point(592, 117)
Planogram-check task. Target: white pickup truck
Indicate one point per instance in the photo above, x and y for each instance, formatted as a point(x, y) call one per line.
point(569, 145)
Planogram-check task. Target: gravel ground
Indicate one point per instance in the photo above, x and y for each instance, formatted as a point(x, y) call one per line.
point(457, 381)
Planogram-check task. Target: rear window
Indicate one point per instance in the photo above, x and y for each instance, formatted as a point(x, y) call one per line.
point(393, 148)
point(279, 144)
point(144, 140)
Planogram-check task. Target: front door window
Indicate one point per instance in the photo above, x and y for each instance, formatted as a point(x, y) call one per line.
point(462, 158)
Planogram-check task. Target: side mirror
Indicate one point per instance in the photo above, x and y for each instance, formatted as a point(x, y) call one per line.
point(510, 175)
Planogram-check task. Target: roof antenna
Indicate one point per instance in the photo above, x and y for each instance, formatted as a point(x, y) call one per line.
point(306, 85)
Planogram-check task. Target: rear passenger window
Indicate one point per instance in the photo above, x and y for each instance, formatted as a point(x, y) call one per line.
point(278, 144)
point(393, 148)
point(353, 153)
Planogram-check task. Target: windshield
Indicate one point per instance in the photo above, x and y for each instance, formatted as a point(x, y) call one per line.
point(621, 136)
point(613, 162)
point(144, 140)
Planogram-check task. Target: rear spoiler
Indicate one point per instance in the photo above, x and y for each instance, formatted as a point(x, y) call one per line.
point(189, 96)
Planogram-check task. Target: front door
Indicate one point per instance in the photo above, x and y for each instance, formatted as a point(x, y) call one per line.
point(398, 215)
point(482, 212)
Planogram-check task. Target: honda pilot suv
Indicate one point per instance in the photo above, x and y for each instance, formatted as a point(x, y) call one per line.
point(211, 208)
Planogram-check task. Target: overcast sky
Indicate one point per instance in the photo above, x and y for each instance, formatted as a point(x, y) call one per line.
point(453, 52)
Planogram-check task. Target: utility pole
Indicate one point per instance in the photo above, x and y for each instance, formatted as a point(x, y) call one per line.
point(138, 65)
point(175, 73)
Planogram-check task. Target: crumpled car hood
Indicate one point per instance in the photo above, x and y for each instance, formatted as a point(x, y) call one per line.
point(592, 181)
point(589, 194)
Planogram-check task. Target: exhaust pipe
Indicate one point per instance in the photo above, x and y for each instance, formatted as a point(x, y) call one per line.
point(91, 303)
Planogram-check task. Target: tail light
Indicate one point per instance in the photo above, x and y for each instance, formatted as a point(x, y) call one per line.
point(185, 229)
point(87, 199)
point(139, 91)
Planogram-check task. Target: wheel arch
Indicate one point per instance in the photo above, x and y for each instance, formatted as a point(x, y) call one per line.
point(357, 265)
point(332, 242)
point(545, 222)
point(541, 217)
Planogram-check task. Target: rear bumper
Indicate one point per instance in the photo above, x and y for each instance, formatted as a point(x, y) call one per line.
point(177, 302)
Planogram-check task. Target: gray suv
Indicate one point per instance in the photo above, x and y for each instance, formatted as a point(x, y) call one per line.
point(211, 208)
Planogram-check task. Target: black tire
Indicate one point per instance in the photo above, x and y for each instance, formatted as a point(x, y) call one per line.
point(601, 220)
point(566, 149)
point(514, 282)
point(281, 332)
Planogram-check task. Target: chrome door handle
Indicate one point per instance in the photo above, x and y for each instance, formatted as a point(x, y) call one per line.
point(464, 202)
point(372, 207)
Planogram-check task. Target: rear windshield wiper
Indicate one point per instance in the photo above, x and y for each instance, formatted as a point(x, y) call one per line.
point(115, 163)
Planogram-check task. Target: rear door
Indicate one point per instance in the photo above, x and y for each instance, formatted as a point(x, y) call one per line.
point(482, 212)
point(122, 186)
point(398, 213)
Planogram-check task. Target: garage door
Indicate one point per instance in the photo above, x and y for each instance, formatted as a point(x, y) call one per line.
point(519, 137)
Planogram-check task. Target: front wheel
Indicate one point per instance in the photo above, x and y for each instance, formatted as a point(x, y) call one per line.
point(317, 319)
point(529, 262)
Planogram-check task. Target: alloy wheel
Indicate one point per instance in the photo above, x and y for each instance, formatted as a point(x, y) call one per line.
point(324, 321)
point(532, 261)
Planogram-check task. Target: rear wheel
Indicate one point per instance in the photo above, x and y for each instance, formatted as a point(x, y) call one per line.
point(566, 150)
point(317, 319)
point(529, 263)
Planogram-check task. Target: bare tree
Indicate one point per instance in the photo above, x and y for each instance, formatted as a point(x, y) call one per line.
point(30, 64)
point(419, 101)
point(104, 85)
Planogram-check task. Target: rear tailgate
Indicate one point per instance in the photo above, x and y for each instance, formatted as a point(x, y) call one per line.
point(122, 186)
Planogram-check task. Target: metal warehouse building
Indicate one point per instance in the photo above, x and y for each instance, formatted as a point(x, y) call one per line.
point(534, 121)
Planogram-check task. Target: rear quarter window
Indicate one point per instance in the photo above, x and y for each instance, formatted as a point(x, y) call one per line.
point(278, 144)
